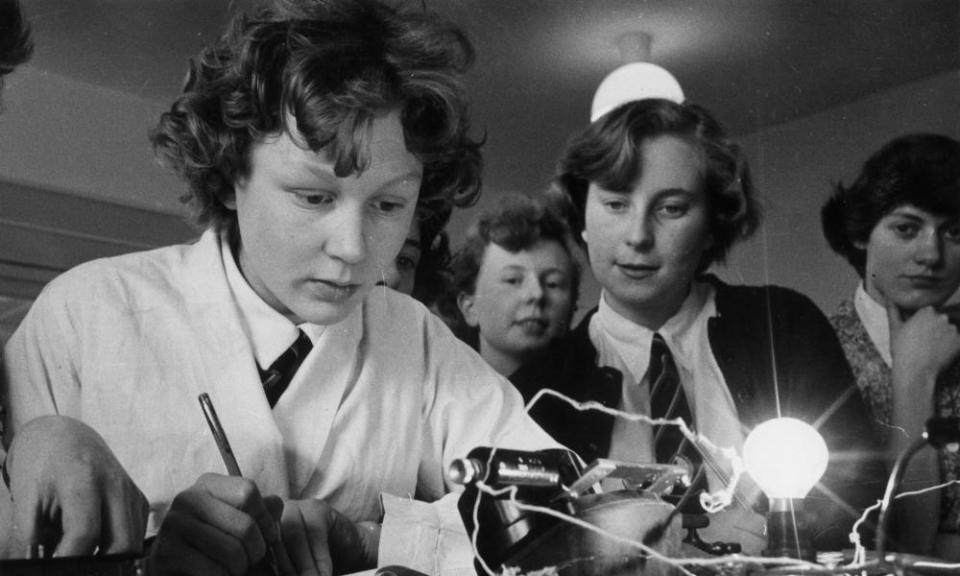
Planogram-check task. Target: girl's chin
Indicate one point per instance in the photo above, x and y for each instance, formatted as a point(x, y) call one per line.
point(912, 304)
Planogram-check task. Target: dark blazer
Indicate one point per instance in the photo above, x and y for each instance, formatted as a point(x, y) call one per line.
point(773, 345)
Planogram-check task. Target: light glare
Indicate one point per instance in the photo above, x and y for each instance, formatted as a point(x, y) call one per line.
point(786, 457)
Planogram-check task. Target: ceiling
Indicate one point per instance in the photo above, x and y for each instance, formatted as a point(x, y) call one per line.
point(753, 62)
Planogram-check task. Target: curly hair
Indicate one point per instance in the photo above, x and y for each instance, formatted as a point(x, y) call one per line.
point(431, 279)
point(16, 47)
point(330, 67)
point(517, 224)
point(608, 153)
point(921, 170)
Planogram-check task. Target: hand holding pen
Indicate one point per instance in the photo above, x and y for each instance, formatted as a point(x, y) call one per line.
point(276, 557)
point(322, 541)
point(220, 525)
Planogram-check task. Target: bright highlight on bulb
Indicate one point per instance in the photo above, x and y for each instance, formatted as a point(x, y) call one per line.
point(632, 82)
point(786, 457)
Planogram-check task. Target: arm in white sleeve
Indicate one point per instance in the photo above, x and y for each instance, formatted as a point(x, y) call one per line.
point(468, 405)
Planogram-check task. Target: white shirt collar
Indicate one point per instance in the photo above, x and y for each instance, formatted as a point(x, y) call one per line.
point(873, 316)
point(679, 332)
point(270, 332)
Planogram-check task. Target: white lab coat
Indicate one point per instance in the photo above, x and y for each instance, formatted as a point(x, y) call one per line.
point(383, 403)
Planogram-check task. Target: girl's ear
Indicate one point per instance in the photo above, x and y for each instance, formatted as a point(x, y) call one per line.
point(229, 200)
point(465, 302)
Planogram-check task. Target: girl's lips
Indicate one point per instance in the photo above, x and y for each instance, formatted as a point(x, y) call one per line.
point(636, 270)
point(333, 291)
point(531, 326)
point(920, 281)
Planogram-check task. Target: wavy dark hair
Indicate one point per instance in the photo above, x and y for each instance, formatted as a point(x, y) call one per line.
point(921, 170)
point(331, 67)
point(518, 223)
point(16, 46)
point(608, 153)
point(432, 278)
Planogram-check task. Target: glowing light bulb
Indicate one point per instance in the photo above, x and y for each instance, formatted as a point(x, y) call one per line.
point(785, 457)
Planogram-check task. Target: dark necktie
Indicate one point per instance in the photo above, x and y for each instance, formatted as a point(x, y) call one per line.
point(668, 401)
point(276, 378)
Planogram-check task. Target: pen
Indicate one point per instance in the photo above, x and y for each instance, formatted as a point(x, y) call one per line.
point(230, 461)
point(219, 436)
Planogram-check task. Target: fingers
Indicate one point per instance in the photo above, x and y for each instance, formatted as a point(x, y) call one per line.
point(186, 543)
point(60, 514)
point(276, 551)
point(124, 521)
point(222, 518)
point(80, 521)
point(306, 542)
point(369, 533)
point(235, 507)
point(321, 541)
point(28, 515)
point(895, 317)
point(185, 560)
point(70, 492)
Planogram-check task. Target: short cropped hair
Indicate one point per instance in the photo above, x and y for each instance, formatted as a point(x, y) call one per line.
point(332, 66)
point(16, 47)
point(921, 170)
point(608, 153)
point(518, 223)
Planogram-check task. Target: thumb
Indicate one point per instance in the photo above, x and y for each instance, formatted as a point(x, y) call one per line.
point(895, 318)
point(82, 521)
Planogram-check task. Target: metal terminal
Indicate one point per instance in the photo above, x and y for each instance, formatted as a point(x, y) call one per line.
point(465, 471)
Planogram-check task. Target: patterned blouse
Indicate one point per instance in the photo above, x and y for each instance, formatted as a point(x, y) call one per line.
point(874, 379)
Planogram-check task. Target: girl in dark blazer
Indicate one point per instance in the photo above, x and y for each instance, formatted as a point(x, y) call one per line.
point(657, 194)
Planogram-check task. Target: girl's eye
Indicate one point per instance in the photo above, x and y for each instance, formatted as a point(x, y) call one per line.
point(406, 263)
point(313, 198)
point(905, 229)
point(615, 206)
point(674, 210)
point(556, 282)
point(513, 280)
point(388, 206)
point(952, 233)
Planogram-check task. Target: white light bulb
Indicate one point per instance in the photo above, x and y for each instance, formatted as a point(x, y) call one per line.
point(786, 457)
point(632, 82)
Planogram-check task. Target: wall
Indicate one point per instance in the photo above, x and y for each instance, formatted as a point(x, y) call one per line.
point(77, 181)
point(60, 134)
point(795, 165)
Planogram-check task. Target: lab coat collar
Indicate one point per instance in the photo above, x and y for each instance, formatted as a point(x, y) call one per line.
point(303, 417)
point(231, 377)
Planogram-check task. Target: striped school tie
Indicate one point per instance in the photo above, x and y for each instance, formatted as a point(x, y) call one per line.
point(667, 401)
point(276, 378)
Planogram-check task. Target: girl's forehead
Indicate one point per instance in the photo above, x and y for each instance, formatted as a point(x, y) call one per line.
point(908, 209)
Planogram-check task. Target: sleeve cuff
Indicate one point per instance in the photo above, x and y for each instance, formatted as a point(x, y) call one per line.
point(426, 537)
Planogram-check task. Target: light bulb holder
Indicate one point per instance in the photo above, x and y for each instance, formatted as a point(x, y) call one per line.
point(634, 46)
point(788, 533)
